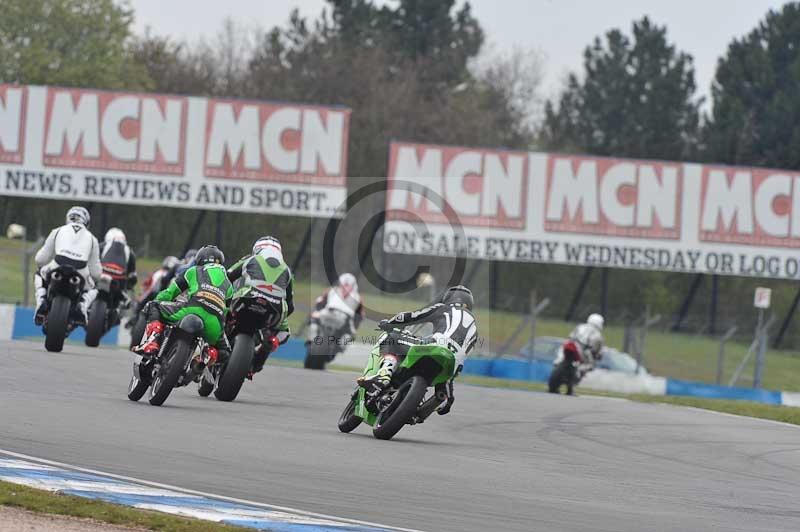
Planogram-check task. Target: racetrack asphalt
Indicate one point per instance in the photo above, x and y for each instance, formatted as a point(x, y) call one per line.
point(502, 460)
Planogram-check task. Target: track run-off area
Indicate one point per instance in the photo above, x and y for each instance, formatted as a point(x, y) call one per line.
point(502, 460)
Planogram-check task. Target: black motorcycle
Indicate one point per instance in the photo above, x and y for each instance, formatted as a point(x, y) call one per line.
point(173, 365)
point(251, 312)
point(62, 313)
point(568, 369)
point(111, 301)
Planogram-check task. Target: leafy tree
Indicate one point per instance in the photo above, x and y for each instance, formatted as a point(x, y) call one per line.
point(431, 33)
point(636, 98)
point(756, 110)
point(68, 42)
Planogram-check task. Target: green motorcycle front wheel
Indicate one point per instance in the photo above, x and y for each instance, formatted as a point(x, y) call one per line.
point(348, 421)
point(402, 408)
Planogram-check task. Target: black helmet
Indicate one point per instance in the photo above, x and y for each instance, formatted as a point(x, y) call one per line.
point(458, 295)
point(209, 255)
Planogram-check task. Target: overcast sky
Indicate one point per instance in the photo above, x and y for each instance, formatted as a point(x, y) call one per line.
point(559, 29)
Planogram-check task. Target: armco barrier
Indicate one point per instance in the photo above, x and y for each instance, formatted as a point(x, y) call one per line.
point(17, 323)
point(712, 391)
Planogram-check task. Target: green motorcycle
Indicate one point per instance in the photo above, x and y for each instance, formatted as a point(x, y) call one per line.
point(405, 401)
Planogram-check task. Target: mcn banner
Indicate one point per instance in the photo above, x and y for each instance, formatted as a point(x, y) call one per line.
point(174, 151)
point(593, 211)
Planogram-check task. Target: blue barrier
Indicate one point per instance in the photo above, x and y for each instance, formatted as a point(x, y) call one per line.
point(713, 391)
point(25, 328)
point(293, 349)
point(501, 368)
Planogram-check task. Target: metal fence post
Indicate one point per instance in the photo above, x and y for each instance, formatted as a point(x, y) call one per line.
point(26, 270)
point(758, 340)
point(648, 322)
point(761, 353)
point(721, 354)
point(536, 309)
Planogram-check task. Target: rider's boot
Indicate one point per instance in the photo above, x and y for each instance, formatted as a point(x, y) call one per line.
point(151, 339)
point(41, 300)
point(87, 299)
point(269, 345)
point(378, 382)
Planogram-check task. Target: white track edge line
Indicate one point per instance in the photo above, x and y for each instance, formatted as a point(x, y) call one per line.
point(740, 416)
point(205, 494)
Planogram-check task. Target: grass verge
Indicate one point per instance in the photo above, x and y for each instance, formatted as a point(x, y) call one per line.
point(786, 414)
point(46, 502)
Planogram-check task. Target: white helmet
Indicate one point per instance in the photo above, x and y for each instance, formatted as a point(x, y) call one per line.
point(170, 262)
point(596, 321)
point(115, 234)
point(78, 215)
point(348, 282)
point(266, 242)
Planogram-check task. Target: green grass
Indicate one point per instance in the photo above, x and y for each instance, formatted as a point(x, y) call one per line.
point(679, 356)
point(785, 414)
point(11, 285)
point(46, 502)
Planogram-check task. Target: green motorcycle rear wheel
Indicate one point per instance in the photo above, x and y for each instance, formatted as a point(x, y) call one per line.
point(402, 408)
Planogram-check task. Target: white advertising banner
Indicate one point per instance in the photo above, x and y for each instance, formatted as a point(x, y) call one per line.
point(593, 211)
point(173, 151)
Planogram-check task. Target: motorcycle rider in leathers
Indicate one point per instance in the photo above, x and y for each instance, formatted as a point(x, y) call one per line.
point(266, 267)
point(344, 298)
point(207, 292)
point(71, 244)
point(454, 327)
point(587, 340)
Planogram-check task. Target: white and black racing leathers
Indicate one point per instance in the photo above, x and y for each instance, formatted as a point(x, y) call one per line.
point(454, 326)
point(73, 245)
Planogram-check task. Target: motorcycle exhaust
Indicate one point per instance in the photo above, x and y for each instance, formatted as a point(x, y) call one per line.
point(429, 407)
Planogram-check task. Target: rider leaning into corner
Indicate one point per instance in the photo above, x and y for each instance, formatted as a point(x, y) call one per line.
point(265, 268)
point(587, 340)
point(343, 297)
point(74, 245)
point(208, 293)
point(454, 326)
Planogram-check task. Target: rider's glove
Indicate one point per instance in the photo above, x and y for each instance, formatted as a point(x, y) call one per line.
point(384, 324)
